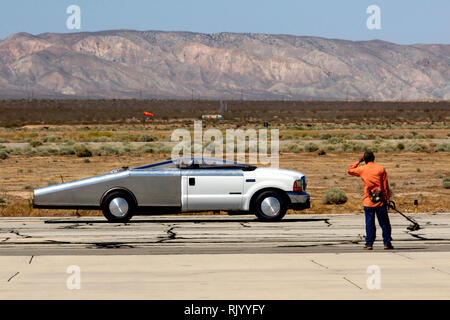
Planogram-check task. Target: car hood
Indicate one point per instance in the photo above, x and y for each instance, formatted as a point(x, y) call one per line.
point(294, 174)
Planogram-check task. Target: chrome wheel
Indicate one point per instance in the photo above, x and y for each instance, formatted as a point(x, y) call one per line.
point(119, 207)
point(270, 206)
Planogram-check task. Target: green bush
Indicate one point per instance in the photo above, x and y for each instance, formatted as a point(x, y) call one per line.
point(311, 147)
point(35, 143)
point(83, 152)
point(66, 150)
point(4, 155)
point(325, 136)
point(147, 138)
point(334, 196)
point(400, 146)
point(446, 184)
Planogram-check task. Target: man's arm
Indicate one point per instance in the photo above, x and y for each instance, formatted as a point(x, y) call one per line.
point(386, 189)
point(354, 170)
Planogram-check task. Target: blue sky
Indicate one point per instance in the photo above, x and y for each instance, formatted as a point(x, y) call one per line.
point(402, 21)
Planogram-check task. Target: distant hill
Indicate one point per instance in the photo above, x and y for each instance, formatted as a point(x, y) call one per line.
point(157, 64)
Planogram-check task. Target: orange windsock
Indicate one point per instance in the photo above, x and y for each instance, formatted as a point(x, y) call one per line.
point(149, 114)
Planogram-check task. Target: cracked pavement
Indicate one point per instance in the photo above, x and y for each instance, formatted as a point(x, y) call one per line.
point(212, 234)
point(222, 257)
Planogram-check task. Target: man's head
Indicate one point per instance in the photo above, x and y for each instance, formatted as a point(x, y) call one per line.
point(369, 156)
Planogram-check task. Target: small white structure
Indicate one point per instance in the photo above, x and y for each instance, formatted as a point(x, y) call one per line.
point(212, 116)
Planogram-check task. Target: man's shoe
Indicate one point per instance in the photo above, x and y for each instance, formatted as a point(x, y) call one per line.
point(388, 247)
point(368, 248)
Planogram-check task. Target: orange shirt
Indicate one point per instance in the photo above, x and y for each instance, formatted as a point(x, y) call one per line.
point(374, 177)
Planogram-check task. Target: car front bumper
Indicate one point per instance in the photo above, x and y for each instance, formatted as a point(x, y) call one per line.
point(299, 200)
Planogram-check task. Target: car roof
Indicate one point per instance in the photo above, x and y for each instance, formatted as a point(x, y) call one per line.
point(198, 163)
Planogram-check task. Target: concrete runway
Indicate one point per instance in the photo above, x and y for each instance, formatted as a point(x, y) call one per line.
point(212, 234)
point(222, 257)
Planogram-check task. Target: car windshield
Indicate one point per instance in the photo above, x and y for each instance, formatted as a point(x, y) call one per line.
point(198, 163)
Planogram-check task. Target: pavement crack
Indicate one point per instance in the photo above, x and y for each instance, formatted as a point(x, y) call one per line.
point(171, 235)
point(327, 222)
point(417, 236)
point(319, 264)
point(17, 233)
point(31, 259)
point(352, 283)
point(109, 245)
point(244, 225)
point(13, 276)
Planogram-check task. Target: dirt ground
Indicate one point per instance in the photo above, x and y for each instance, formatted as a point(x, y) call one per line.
point(412, 176)
point(42, 143)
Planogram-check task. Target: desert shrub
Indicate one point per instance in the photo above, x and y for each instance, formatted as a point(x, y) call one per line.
point(446, 184)
point(83, 152)
point(443, 147)
point(147, 138)
point(49, 139)
point(400, 146)
point(311, 147)
point(360, 136)
point(387, 147)
point(66, 150)
point(109, 150)
point(415, 147)
point(335, 140)
point(325, 136)
point(334, 196)
point(3, 154)
point(98, 134)
point(35, 143)
point(292, 147)
point(148, 149)
point(86, 160)
point(125, 150)
point(321, 152)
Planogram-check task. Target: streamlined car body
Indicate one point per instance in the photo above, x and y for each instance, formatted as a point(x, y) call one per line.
point(181, 185)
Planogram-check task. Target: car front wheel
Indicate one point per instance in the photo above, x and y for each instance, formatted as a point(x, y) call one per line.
point(118, 206)
point(270, 206)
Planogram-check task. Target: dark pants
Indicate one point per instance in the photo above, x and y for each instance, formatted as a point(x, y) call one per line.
point(383, 220)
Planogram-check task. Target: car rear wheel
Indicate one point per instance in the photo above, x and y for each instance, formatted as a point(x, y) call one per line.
point(270, 206)
point(118, 206)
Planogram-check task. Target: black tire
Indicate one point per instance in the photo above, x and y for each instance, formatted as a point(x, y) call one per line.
point(267, 201)
point(118, 197)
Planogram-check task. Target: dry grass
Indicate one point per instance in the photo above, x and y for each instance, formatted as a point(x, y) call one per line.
point(419, 134)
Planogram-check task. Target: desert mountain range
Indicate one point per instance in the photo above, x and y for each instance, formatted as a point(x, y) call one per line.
point(159, 64)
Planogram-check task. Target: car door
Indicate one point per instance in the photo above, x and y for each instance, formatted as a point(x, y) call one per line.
point(213, 189)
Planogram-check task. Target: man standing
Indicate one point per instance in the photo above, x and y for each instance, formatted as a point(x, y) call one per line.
point(376, 197)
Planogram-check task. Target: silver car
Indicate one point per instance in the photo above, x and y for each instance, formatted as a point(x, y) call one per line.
point(181, 185)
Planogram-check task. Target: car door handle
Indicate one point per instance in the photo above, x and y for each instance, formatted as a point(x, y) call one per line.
point(192, 181)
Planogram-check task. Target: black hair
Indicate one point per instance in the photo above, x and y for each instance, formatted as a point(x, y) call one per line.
point(369, 156)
